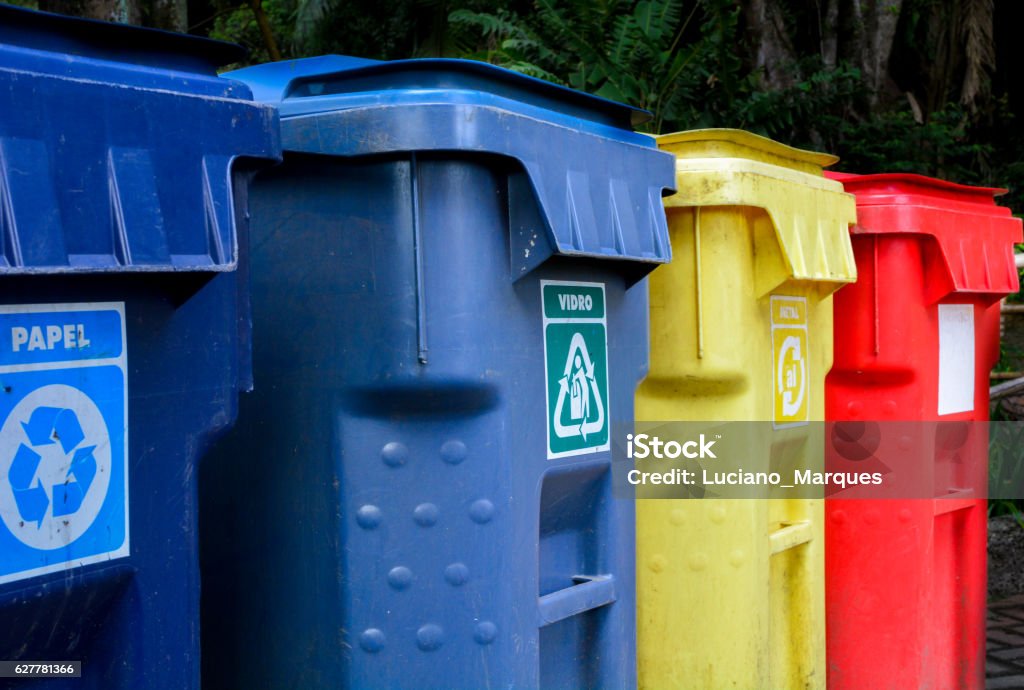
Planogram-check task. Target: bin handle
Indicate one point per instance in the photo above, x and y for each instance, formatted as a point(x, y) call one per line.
point(956, 499)
point(790, 535)
point(589, 592)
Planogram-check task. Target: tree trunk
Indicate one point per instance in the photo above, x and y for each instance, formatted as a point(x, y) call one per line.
point(858, 32)
point(976, 36)
point(950, 56)
point(123, 11)
point(871, 30)
point(774, 56)
point(265, 29)
point(828, 25)
point(171, 15)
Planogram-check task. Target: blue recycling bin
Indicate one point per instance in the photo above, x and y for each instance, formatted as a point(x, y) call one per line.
point(124, 336)
point(449, 314)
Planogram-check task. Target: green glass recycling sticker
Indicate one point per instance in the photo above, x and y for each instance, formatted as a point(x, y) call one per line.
point(575, 367)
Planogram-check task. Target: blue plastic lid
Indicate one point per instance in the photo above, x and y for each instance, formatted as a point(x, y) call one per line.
point(118, 148)
point(333, 75)
point(590, 186)
point(118, 42)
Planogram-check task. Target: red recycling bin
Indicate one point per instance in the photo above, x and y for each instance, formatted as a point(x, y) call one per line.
point(915, 340)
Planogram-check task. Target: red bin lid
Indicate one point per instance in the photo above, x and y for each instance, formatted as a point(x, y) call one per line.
point(975, 236)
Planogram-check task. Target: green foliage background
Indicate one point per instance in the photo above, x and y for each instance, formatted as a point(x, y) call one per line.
point(693, 63)
point(688, 61)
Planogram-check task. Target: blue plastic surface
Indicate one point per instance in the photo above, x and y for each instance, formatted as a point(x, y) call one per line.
point(602, 199)
point(385, 514)
point(118, 165)
point(124, 170)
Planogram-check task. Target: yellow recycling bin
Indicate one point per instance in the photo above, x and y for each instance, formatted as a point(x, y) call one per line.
point(731, 592)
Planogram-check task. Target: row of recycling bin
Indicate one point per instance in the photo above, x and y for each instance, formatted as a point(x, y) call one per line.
point(430, 280)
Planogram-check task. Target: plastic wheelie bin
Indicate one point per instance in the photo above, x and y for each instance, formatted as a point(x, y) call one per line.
point(916, 338)
point(124, 337)
point(449, 313)
point(731, 592)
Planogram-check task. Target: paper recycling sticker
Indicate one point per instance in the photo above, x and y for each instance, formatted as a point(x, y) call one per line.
point(63, 437)
point(790, 361)
point(575, 367)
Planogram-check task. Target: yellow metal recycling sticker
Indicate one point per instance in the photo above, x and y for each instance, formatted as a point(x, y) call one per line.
point(790, 360)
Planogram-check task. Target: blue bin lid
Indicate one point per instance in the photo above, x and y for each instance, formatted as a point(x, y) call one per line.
point(597, 182)
point(327, 75)
point(136, 48)
point(117, 147)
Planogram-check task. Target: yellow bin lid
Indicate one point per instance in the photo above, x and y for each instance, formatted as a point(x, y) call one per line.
point(811, 215)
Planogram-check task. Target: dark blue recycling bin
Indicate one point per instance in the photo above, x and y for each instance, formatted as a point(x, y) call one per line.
point(124, 336)
point(449, 313)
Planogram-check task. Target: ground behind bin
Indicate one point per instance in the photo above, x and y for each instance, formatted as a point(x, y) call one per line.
point(1004, 665)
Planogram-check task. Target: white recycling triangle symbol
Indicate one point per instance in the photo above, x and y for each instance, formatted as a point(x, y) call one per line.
point(579, 386)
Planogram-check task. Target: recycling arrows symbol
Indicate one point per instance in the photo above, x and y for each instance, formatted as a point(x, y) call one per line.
point(48, 426)
point(584, 375)
point(64, 483)
point(790, 353)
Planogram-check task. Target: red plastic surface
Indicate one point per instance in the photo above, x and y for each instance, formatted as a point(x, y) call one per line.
point(906, 579)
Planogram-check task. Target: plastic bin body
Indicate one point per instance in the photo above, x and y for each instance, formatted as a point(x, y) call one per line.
point(906, 579)
point(124, 336)
point(404, 514)
point(731, 591)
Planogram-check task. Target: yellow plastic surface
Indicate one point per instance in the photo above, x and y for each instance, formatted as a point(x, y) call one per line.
point(731, 592)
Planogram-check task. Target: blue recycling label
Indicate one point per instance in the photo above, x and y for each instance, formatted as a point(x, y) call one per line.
point(63, 439)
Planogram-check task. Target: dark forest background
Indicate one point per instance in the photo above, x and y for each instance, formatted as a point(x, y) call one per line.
point(929, 86)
